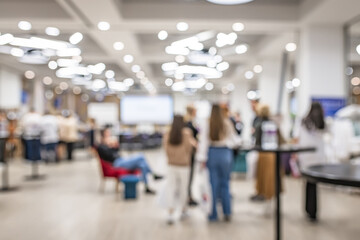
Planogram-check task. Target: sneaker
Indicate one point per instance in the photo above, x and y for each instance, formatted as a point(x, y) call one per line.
point(149, 191)
point(192, 203)
point(257, 198)
point(227, 218)
point(157, 177)
point(170, 220)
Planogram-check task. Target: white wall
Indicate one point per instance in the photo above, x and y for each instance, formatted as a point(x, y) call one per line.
point(10, 89)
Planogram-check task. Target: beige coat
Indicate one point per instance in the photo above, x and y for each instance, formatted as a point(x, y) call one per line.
point(180, 155)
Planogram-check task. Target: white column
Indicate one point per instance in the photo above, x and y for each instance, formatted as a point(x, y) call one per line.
point(10, 89)
point(38, 96)
point(321, 65)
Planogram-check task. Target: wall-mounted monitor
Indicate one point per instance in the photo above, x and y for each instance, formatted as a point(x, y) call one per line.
point(146, 109)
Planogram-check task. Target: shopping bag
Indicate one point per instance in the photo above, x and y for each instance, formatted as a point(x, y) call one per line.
point(205, 191)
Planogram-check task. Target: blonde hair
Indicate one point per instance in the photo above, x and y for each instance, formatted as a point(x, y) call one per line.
point(190, 110)
point(263, 110)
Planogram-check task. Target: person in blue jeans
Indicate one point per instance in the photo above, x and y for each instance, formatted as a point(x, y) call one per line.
point(108, 150)
point(216, 143)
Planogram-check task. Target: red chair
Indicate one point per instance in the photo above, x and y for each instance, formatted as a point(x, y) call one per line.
point(107, 171)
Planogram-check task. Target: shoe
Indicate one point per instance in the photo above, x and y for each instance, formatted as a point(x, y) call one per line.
point(157, 177)
point(149, 191)
point(192, 203)
point(227, 218)
point(257, 198)
point(184, 215)
point(170, 220)
point(212, 219)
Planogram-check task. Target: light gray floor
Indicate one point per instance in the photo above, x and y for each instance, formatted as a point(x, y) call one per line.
point(68, 205)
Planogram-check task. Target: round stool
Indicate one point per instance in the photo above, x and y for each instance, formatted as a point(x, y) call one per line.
point(130, 182)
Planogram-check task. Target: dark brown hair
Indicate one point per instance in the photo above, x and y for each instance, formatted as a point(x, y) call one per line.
point(315, 117)
point(217, 126)
point(175, 136)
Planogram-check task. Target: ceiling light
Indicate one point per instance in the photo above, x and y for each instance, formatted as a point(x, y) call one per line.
point(169, 82)
point(140, 74)
point(52, 31)
point(118, 46)
point(209, 86)
point(69, 72)
point(290, 47)
point(178, 86)
point(103, 26)
point(85, 97)
point(52, 65)
point(47, 80)
point(238, 27)
point(257, 68)
point(296, 82)
point(230, 87)
point(197, 46)
point(24, 25)
point(96, 69)
point(224, 90)
point(180, 59)
point(212, 51)
point(182, 26)
point(77, 90)
point(63, 86)
point(179, 75)
point(222, 66)
point(62, 62)
point(6, 38)
point(289, 85)
point(58, 90)
point(40, 43)
point(68, 52)
point(211, 63)
point(249, 75)
point(17, 52)
point(109, 74)
point(175, 50)
point(251, 95)
point(357, 49)
point(128, 58)
point(118, 86)
point(349, 71)
point(170, 66)
point(29, 74)
point(135, 68)
point(201, 70)
point(76, 38)
point(144, 80)
point(162, 35)
point(229, 2)
point(98, 84)
point(240, 49)
point(129, 82)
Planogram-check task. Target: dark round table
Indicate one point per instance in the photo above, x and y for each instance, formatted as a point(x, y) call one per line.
point(278, 151)
point(343, 174)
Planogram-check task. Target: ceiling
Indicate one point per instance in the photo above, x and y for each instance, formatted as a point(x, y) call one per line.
point(268, 25)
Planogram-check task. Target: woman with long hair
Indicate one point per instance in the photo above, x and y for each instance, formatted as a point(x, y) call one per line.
point(217, 142)
point(312, 130)
point(178, 144)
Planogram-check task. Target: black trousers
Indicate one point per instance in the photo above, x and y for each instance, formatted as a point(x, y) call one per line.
point(69, 148)
point(311, 200)
point(2, 149)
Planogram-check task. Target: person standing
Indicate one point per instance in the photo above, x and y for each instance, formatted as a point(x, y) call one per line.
point(4, 134)
point(215, 148)
point(70, 128)
point(49, 137)
point(179, 145)
point(31, 130)
point(311, 133)
point(190, 123)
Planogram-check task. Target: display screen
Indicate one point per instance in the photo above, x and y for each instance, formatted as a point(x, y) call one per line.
point(146, 109)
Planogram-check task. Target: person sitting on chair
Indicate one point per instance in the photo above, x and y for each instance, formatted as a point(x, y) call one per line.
point(108, 150)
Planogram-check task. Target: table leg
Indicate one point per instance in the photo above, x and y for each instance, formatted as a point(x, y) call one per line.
point(311, 200)
point(277, 191)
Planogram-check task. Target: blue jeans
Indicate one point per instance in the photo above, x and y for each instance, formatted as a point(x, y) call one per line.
point(32, 150)
point(134, 162)
point(219, 164)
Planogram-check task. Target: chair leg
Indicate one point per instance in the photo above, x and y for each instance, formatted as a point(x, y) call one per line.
point(117, 186)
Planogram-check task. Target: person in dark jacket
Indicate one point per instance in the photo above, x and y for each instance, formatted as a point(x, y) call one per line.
point(189, 118)
point(108, 150)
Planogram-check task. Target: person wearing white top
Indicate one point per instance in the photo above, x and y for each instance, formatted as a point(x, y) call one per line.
point(215, 149)
point(31, 129)
point(49, 137)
